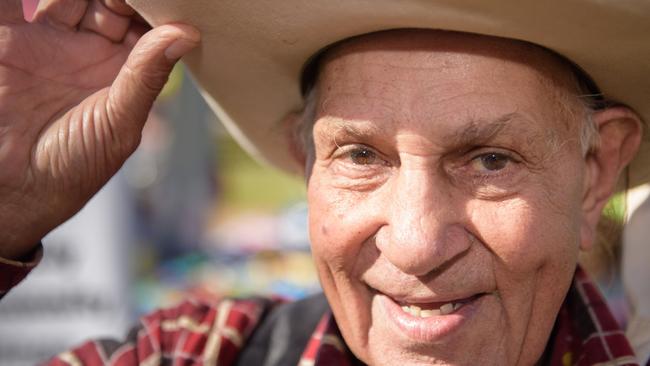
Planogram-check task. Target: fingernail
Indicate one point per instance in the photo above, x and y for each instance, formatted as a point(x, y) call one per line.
point(179, 48)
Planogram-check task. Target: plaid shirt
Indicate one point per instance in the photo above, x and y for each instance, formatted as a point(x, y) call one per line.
point(214, 334)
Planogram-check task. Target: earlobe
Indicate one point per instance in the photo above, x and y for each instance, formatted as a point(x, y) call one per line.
point(587, 235)
point(620, 131)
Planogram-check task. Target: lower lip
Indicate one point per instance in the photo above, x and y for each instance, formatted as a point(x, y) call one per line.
point(431, 329)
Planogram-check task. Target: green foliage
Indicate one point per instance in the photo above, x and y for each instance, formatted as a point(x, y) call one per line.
point(615, 208)
point(246, 184)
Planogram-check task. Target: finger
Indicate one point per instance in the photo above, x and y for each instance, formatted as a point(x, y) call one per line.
point(29, 7)
point(119, 7)
point(66, 13)
point(146, 70)
point(135, 32)
point(102, 20)
point(11, 11)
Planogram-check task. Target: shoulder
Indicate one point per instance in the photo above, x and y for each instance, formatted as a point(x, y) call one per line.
point(283, 334)
point(197, 332)
point(209, 331)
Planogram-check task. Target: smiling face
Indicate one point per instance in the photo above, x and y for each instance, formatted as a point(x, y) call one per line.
point(446, 183)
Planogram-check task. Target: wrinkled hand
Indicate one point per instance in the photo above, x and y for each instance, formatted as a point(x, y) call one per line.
point(76, 86)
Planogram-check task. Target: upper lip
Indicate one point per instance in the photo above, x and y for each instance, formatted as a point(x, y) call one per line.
point(431, 300)
point(421, 298)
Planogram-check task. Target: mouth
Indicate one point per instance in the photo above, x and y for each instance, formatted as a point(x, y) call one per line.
point(427, 310)
point(422, 320)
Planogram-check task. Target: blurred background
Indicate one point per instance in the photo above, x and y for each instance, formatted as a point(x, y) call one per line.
point(190, 214)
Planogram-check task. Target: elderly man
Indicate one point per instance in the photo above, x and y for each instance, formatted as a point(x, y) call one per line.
point(452, 177)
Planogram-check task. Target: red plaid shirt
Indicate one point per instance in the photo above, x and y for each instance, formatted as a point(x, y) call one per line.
point(200, 333)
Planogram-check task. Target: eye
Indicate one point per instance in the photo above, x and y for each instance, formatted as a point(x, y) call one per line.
point(362, 156)
point(491, 162)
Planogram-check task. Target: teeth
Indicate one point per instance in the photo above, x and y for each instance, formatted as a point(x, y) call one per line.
point(415, 310)
point(446, 308)
point(427, 313)
point(412, 309)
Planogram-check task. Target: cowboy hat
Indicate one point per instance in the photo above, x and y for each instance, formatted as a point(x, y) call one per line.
point(253, 53)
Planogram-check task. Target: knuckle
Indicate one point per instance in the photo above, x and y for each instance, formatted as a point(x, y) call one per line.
point(147, 81)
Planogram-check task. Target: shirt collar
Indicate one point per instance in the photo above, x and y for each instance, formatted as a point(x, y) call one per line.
point(585, 333)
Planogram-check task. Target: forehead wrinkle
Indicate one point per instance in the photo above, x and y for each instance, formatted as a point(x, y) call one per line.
point(351, 121)
point(380, 105)
point(481, 131)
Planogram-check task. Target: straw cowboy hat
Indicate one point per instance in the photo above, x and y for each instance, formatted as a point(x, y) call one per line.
point(253, 52)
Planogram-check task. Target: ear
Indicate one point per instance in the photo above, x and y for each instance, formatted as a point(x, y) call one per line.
point(619, 130)
point(292, 125)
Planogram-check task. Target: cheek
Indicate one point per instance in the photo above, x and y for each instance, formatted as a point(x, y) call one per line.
point(526, 235)
point(327, 236)
point(339, 223)
point(534, 252)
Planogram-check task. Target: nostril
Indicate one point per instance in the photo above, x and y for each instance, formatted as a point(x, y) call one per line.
point(417, 252)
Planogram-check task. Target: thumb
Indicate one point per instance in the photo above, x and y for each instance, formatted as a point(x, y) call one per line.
point(145, 73)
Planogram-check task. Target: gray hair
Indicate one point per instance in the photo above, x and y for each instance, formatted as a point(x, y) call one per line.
point(589, 136)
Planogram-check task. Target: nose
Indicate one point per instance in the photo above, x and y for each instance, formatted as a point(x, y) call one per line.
point(424, 230)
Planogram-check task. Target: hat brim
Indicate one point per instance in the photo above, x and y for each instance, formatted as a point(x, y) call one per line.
point(252, 54)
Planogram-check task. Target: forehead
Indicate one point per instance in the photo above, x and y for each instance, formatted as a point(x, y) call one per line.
point(424, 72)
point(415, 46)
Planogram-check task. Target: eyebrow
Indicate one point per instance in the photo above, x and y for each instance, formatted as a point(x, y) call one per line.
point(478, 132)
point(350, 128)
point(475, 132)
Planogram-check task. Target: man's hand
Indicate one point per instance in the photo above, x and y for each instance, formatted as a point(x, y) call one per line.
point(76, 86)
